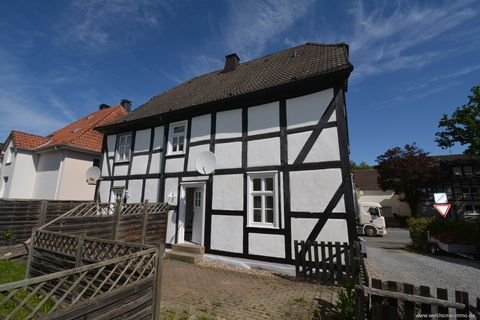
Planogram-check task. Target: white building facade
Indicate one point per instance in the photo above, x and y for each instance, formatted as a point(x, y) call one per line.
point(282, 166)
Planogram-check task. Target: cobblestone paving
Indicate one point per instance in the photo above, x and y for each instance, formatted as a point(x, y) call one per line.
point(199, 292)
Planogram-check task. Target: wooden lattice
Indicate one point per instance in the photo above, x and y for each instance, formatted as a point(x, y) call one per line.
point(56, 242)
point(125, 265)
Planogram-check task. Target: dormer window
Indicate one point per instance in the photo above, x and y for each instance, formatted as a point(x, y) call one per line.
point(177, 138)
point(123, 147)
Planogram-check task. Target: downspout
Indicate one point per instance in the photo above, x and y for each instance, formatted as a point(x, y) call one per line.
point(60, 172)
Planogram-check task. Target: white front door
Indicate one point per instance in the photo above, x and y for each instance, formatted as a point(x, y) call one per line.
point(197, 215)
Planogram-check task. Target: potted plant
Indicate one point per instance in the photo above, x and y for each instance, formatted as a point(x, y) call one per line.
point(8, 235)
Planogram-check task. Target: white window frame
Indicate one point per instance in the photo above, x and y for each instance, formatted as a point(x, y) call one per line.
point(171, 136)
point(275, 193)
point(121, 157)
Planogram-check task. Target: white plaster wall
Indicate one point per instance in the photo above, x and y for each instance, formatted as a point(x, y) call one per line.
point(134, 191)
point(142, 140)
point(335, 230)
point(158, 138)
point(21, 182)
point(119, 183)
point(139, 164)
point(227, 192)
point(171, 227)
point(121, 169)
point(47, 178)
point(295, 144)
point(155, 162)
point(104, 165)
point(7, 171)
point(200, 128)
point(152, 190)
point(73, 185)
point(171, 187)
point(263, 152)
point(104, 191)
point(312, 190)
point(333, 117)
point(270, 245)
point(174, 164)
point(229, 124)
point(263, 118)
point(111, 141)
point(227, 233)
point(307, 110)
point(325, 148)
point(193, 153)
point(229, 155)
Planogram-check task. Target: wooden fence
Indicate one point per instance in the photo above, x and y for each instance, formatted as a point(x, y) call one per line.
point(392, 300)
point(72, 275)
point(133, 222)
point(20, 216)
point(327, 262)
point(110, 279)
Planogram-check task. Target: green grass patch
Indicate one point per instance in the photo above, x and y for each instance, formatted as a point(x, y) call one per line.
point(15, 271)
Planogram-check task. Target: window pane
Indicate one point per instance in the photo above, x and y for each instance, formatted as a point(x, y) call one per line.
point(179, 129)
point(257, 184)
point(257, 215)
point(269, 215)
point(257, 202)
point(269, 184)
point(269, 202)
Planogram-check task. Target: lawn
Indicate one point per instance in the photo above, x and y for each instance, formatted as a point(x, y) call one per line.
point(14, 271)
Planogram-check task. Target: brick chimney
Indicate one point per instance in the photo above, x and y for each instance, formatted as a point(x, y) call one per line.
point(126, 104)
point(231, 62)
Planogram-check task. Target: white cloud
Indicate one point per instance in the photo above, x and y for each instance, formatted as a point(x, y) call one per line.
point(97, 23)
point(388, 40)
point(251, 24)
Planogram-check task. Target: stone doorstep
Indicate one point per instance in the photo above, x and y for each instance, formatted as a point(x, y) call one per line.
point(184, 256)
point(189, 248)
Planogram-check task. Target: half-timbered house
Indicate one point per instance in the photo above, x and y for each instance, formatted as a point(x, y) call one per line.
point(277, 126)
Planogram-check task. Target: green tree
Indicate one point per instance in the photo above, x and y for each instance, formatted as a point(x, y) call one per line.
point(361, 166)
point(463, 126)
point(406, 171)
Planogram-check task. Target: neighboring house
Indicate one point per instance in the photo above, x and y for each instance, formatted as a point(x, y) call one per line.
point(461, 183)
point(277, 127)
point(368, 190)
point(1, 160)
point(54, 167)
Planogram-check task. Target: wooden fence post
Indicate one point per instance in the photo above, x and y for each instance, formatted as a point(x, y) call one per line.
point(116, 219)
point(157, 286)
point(78, 251)
point(42, 217)
point(30, 253)
point(462, 297)
point(144, 222)
point(442, 294)
point(408, 306)
point(425, 308)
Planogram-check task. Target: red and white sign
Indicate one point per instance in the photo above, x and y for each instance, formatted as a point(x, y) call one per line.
point(442, 208)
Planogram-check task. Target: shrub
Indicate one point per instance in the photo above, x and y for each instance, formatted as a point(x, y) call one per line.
point(346, 303)
point(418, 228)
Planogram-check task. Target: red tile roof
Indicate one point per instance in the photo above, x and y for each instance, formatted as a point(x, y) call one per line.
point(79, 134)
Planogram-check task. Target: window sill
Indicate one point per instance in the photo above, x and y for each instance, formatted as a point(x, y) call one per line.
point(175, 155)
point(121, 161)
point(262, 225)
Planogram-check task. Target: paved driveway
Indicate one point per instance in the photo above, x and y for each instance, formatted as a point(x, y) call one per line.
point(388, 260)
point(212, 293)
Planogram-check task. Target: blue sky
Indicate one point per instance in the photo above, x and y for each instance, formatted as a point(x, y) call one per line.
point(413, 60)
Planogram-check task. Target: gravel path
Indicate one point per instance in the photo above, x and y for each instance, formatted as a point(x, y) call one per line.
point(434, 271)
